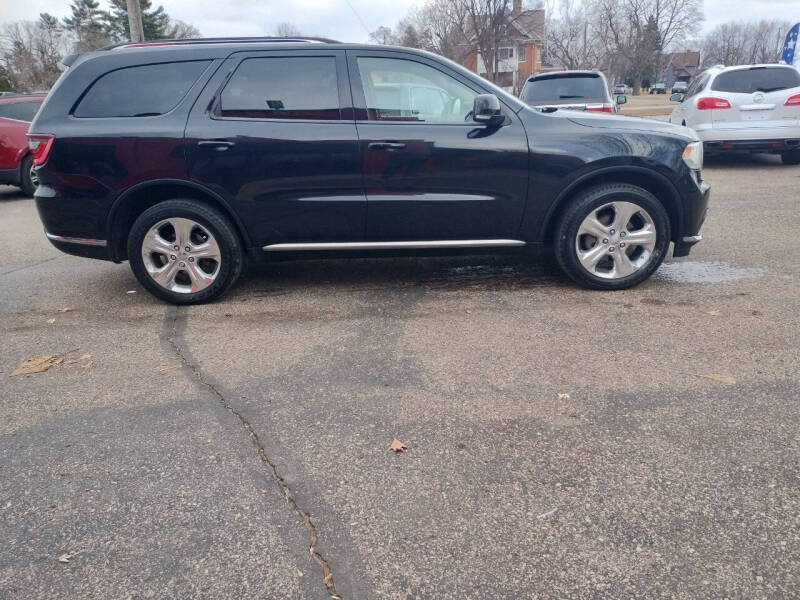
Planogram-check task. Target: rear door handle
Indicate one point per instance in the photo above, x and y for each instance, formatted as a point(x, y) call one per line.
point(218, 145)
point(386, 146)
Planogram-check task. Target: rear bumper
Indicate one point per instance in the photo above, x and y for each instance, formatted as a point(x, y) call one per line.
point(768, 146)
point(85, 247)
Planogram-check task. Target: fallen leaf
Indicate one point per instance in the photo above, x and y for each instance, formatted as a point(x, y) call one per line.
point(715, 313)
point(131, 292)
point(64, 558)
point(398, 446)
point(37, 364)
point(63, 309)
point(51, 321)
point(757, 313)
point(563, 396)
point(547, 514)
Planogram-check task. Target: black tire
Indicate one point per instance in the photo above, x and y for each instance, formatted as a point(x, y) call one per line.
point(791, 158)
point(592, 199)
point(230, 249)
point(26, 182)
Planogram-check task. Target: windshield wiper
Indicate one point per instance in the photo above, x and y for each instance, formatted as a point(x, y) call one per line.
point(768, 90)
point(567, 97)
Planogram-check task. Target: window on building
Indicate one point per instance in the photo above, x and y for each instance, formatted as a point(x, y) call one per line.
point(505, 53)
point(522, 54)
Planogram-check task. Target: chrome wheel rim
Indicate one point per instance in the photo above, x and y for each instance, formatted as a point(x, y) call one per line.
point(181, 255)
point(615, 240)
point(34, 177)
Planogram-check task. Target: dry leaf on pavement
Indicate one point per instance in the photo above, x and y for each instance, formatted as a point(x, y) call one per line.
point(562, 396)
point(37, 364)
point(63, 309)
point(398, 446)
point(720, 378)
point(64, 558)
point(715, 312)
point(51, 321)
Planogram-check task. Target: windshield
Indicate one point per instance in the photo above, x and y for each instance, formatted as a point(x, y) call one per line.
point(564, 86)
point(758, 79)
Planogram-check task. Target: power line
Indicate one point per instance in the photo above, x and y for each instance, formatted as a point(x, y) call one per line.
point(360, 20)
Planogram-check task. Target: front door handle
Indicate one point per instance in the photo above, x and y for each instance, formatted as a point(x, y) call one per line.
point(386, 146)
point(218, 145)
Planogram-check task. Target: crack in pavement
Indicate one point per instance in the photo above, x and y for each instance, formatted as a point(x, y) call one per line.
point(175, 320)
point(36, 264)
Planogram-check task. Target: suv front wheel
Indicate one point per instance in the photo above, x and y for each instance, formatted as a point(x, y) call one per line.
point(184, 252)
point(612, 236)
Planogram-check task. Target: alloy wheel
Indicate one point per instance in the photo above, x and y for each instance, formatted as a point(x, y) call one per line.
point(615, 240)
point(181, 255)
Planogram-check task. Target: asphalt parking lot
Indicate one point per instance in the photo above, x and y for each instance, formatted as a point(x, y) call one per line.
point(561, 442)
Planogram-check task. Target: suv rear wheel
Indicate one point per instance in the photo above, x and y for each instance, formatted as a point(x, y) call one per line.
point(184, 252)
point(612, 236)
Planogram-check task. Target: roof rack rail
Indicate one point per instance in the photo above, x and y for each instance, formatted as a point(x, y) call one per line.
point(225, 40)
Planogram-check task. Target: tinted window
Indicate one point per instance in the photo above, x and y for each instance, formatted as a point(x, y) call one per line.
point(22, 111)
point(142, 91)
point(405, 90)
point(297, 87)
point(761, 79)
point(697, 85)
point(559, 88)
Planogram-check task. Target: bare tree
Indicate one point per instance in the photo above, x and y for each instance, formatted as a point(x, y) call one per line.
point(288, 30)
point(30, 53)
point(485, 29)
point(744, 43)
point(178, 29)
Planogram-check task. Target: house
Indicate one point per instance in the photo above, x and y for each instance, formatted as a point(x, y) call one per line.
point(680, 66)
point(520, 52)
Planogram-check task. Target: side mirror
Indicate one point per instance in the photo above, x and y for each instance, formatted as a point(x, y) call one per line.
point(622, 99)
point(486, 109)
point(676, 97)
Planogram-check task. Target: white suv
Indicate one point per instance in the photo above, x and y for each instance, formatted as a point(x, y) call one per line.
point(752, 108)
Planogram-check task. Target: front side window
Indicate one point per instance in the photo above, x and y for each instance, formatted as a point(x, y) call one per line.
point(405, 90)
point(757, 79)
point(296, 87)
point(142, 91)
point(21, 111)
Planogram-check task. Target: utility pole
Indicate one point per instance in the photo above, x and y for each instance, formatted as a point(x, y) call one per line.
point(135, 21)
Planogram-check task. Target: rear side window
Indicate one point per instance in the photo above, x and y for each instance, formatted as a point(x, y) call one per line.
point(564, 87)
point(143, 91)
point(760, 79)
point(21, 111)
point(297, 87)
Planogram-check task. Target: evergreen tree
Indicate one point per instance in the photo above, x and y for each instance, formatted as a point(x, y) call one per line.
point(86, 25)
point(155, 21)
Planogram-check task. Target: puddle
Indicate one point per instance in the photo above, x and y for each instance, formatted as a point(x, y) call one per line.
point(705, 272)
point(492, 277)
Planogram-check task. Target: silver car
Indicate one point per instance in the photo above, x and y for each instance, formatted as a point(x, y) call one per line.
point(573, 90)
point(752, 108)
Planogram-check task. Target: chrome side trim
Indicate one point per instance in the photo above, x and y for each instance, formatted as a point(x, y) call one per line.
point(75, 240)
point(392, 245)
point(692, 239)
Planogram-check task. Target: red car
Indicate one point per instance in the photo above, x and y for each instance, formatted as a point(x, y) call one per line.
point(16, 114)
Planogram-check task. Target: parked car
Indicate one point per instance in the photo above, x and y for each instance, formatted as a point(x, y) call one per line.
point(187, 157)
point(620, 88)
point(679, 87)
point(659, 88)
point(573, 90)
point(751, 108)
point(16, 166)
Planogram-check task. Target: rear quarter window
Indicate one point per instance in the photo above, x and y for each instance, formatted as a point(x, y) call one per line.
point(761, 79)
point(141, 91)
point(565, 87)
point(21, 111)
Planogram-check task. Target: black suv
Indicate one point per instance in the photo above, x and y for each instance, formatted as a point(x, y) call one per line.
point(184, 157)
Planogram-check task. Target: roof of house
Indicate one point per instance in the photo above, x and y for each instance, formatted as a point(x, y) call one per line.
point(529, 24)
point(685, 60)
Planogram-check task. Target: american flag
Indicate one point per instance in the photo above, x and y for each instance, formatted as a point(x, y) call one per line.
point(789, 56)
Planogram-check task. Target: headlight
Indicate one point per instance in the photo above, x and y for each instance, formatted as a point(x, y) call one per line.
point(693, 156)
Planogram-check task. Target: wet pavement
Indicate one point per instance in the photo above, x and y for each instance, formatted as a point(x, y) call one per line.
point(561, 442)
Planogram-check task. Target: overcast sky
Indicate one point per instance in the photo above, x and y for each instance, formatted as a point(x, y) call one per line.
point(338, 18)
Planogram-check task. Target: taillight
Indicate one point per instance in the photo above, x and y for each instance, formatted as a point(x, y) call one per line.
point(712, 103)
point(606, 108)
point(793, 101)
point(39, 144)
